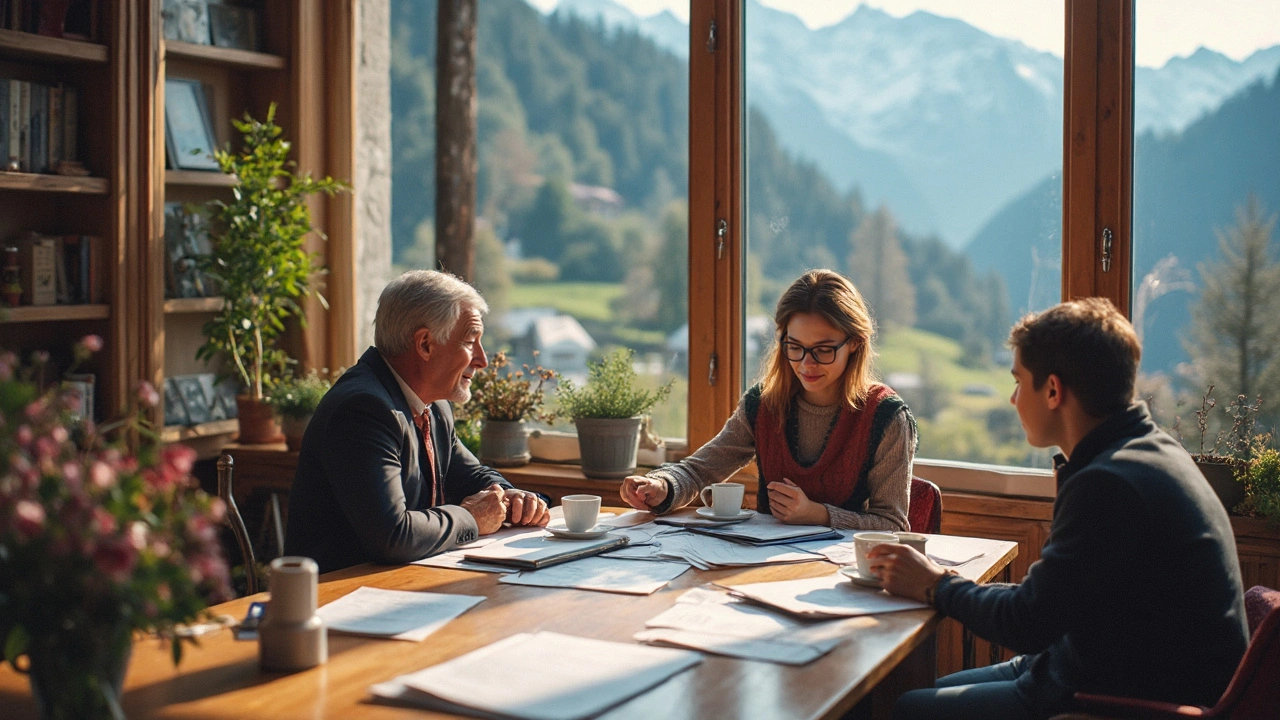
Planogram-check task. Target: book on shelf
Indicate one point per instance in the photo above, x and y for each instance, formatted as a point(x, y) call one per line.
point(38, 146)
point(39, 124)
point(15, 121)
point(70, 120)
point(38, 259)
point(54, 154)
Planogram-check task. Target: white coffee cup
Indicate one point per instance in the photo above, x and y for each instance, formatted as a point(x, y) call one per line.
point(580, 512)
point(726, 498)
point(862, 544)
point(915, 540)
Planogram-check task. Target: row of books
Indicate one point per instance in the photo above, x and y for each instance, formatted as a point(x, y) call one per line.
point(75, 19)
point(61, 269)
point(40, 125)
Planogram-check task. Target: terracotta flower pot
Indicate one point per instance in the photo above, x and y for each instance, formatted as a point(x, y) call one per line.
point(258, 423)
point(294, 428)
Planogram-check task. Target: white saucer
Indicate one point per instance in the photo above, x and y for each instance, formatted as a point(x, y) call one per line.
point(857, 578)
point(565, 533)
point(710, 514)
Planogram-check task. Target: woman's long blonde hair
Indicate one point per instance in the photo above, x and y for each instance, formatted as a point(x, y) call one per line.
point(829, 294)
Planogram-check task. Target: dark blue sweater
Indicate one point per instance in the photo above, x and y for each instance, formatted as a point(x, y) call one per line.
point(1137, 591)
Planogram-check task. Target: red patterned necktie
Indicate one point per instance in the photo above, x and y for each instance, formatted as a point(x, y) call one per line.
point(423, 421)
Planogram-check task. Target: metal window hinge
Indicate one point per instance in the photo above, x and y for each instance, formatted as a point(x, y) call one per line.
point(1106, 250)
point(722, 230)
point(711, 370)
point(711, 38)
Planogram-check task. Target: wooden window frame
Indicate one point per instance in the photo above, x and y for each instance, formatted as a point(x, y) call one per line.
point(1097, 179)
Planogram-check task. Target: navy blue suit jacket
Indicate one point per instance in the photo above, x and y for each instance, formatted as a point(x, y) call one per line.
point(360, 493)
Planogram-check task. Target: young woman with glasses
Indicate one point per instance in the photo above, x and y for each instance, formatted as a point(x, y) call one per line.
point(832, 446)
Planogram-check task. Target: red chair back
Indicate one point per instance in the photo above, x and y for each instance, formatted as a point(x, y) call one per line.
point(1254, 692)
point(925, 512)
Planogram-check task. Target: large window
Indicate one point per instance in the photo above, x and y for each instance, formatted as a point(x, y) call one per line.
point(920, 155)
point(1206, 279)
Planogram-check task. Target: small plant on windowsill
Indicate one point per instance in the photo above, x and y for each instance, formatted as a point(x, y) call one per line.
point(294, 400)
point(1225, 461)
point(503, 400)
point(608, 413)
point(1261, 480)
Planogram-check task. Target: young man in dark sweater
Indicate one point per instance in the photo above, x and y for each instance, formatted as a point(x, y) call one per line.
point(1137, 591)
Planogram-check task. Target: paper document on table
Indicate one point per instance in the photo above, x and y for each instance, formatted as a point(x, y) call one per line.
point(536, 549)
point(603, 574)
point(456, 560)
point(628, 519)
point(706, 553)
point(767, 530)
point(397, 614)
point(830, 596)
point(542, 676)
point(952, 550)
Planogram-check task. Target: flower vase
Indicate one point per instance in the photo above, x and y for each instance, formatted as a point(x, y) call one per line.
point(77, 670)
point(504, 443)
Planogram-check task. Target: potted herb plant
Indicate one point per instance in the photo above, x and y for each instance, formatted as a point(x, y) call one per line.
point(608, 412)
point(1261, 479)
point(1224, 462)
point(503, 399)
point(295, 399)
point(262, 265)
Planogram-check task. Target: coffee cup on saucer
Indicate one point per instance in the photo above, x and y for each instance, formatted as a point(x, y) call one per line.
point(726, 499)
point(913, 540)
point(580, 512)
point(862, 544)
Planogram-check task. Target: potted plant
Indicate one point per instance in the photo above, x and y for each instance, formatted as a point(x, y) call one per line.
point(1261, 479)
point(261, 264)
point(503, 399)
point(295, 399)
point(99, 538)
point(1224, 462)
point(607, 413)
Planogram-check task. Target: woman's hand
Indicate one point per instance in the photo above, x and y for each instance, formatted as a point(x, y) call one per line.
point(643, 492)
point(789, 504)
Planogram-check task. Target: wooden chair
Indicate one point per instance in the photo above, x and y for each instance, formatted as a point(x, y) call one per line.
point(1254, 691)
point(225, 466)
point(925, 512)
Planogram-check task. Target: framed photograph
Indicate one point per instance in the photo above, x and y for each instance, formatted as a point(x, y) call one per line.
point(186, 20)
point(82, 384)
point(193, 398)
point(175, 412)
point(186, 240)
point(188, 132)
point(233, 27)
point(226, 392)
point(208, 384)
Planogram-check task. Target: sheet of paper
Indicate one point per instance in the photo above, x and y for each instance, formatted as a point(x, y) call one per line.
point(397, 614)
point(766, 528)
point(454, 560)
point(705, 552)
point(603, 574)
point(953, 551)
point(629, 519)
point(542, 676)
point(746, 648)
point(830, 596)
point(533, 546)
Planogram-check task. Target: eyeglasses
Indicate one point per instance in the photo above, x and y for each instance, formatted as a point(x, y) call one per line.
point(822, 354)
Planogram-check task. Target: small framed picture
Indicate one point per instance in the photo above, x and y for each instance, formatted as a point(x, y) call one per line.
point(188, 132)
point(193, 398)
point(175, 412)
point(186, 20)
point(233, 27)
point(82, 384)
point(186, 240)
point(226, 392)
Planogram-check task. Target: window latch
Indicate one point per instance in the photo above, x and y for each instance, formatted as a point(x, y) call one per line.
point(711, 370)
point(1106, 249)
point(711, 38)
point(722, 229)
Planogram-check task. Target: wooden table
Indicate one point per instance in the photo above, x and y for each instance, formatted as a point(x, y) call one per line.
point(221, 679)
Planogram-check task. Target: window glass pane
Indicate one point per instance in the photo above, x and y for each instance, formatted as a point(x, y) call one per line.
point(1206, 278)
point(583, 180)
point(919, 152)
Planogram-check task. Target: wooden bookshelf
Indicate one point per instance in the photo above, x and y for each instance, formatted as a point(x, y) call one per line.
point(199, 178)
point(175, 306)
point(41, 182)
point(29, 46)
point(245, 59)
point(179, 433)
point(46, 313)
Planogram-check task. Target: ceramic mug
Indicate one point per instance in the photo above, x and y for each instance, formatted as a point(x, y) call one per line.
point(580, 512)
point(862, 544)
point(726, 498)
point(914, 540)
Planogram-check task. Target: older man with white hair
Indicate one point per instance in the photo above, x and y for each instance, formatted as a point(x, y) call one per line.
point(381, 475)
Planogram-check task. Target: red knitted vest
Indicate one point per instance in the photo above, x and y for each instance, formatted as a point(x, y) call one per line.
point(835, 475)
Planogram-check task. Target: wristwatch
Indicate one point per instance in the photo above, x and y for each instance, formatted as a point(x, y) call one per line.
point(930, 590)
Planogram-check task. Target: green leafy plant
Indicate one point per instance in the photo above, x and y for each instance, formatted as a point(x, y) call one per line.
point(499, 393)
point(297, 397)
point(1261, 480)
point(611, 390)
point(259, 259)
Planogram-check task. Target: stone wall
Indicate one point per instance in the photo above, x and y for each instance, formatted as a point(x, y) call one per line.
point(372, 179)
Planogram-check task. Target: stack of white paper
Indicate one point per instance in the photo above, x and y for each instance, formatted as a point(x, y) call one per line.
point(831, 596)
point(545, 676)
point(397, 614)
point(603, 574)
point(768, 530)
point(708, 553)
point(712, 621)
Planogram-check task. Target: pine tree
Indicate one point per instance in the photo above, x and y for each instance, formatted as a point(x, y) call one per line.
point(1234, 336)
point(878, 266)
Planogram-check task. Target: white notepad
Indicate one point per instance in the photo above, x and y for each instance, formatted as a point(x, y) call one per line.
point(831, 596)
point(395, 614)
point(542, 676)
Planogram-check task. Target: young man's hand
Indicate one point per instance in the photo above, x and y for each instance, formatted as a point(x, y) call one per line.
point(904, 571)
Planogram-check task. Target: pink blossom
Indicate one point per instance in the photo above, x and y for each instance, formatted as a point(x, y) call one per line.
point(217, 509)
point(92, 343)
point(6, 371)
point(103, 521)
point(115, 558)
point(179, 457)
point(147, 395)
point(138, 535)
point(102, 475)
point(71, 473)
point(46, 448)
point(25, 435)
point(30, 517)
point(59, 434)
point(199, 529)
point(35, 408)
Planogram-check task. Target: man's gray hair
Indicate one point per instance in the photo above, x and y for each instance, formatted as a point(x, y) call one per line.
point(421, 299)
